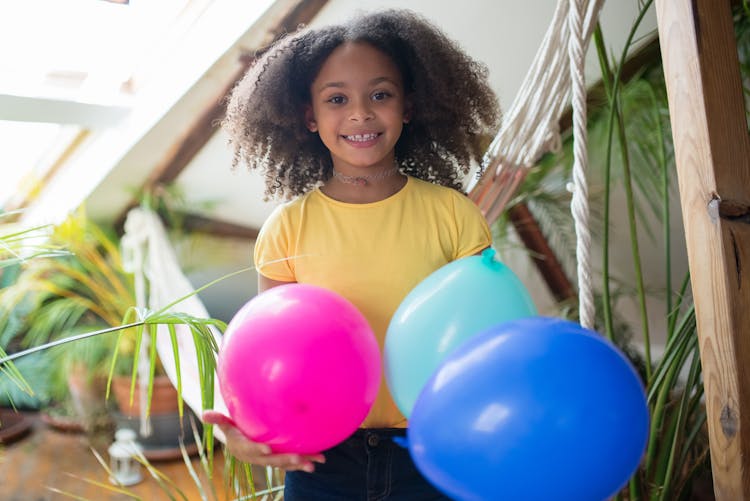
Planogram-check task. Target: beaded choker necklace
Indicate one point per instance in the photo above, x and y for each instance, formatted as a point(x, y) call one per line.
point(363, 180)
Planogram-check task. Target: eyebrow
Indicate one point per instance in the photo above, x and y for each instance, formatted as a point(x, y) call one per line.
point(374, 81)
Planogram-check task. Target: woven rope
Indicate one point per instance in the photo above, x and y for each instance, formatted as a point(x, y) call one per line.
point(579, 205)
point(531, 126)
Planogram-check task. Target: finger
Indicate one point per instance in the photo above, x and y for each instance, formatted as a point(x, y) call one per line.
point(217, 418)
point(289, 462)
point(241, 446)
point(236, 441)
point(317, 458)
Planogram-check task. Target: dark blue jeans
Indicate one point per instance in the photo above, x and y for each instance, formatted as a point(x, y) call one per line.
point(368, 466)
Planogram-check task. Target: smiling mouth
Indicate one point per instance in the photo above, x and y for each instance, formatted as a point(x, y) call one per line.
point(362, 138)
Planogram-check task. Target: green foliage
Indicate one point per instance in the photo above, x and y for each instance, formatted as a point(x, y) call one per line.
point(631, 153)
point(81, 291)
point(19, 246)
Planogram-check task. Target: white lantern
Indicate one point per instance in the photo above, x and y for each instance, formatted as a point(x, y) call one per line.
point(122, 453)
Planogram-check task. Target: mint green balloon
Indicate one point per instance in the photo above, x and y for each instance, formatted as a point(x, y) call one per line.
point(451, 305)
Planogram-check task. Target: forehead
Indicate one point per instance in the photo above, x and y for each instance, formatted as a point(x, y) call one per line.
point(356, 62)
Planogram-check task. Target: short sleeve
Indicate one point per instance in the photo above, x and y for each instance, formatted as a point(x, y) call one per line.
point(472, 229)
point(272, 248)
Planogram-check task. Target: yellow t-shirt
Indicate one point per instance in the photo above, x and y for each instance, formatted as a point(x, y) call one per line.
point(373, 254)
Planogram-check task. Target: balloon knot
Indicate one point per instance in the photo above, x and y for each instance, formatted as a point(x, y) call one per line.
point(488, 257)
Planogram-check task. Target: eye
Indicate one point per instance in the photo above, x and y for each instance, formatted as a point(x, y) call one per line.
point(336, 100)
point(380, 95)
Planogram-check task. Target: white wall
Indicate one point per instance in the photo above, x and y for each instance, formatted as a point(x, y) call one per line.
point(505, 34)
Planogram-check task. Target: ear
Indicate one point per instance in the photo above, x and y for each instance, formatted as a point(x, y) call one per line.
point(310, 122)
point(408, 109)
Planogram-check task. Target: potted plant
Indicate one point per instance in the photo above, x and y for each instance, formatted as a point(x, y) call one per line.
point(19, 245)
point(86, 290)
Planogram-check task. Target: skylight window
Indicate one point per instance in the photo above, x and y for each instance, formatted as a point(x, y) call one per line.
point(30, 154)
point(90, 46)
point(73, 65)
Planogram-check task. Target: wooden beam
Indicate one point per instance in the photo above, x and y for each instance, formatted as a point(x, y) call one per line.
point(712, 152)
point(61, 110)
point(217, 228)
point(541, 253)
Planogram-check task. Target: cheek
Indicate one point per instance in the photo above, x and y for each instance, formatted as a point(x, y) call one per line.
point(398, 113)
point(328, 134)
point(327, 119)
point(397, 118)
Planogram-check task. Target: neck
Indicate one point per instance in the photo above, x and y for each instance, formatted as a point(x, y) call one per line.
point(364, 180)
point(364, 188)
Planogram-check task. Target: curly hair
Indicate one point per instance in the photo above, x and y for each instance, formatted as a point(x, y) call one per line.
point(453, 104)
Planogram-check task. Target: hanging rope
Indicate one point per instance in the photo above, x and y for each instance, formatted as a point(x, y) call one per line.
point(579, 205)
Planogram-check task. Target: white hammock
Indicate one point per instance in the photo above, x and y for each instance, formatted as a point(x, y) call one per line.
point(530, 129)
point(148, 254)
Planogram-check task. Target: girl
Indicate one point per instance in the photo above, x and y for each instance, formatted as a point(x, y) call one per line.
point(369, 127)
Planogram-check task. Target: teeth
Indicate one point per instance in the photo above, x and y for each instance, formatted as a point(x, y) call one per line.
point(361, 137)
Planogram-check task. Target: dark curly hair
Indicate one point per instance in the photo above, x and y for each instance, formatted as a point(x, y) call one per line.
point(453, 105)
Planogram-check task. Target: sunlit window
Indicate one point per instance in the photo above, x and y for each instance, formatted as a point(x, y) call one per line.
point(29, 155)
point(92, 46)
point(73, 51)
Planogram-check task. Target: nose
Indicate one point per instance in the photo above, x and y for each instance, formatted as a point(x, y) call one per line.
point(361, 111)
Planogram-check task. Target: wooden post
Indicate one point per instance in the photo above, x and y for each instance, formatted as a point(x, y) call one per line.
point(712, 151)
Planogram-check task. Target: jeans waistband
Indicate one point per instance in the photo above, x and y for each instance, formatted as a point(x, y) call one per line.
point(381, 432)
point(372, 438)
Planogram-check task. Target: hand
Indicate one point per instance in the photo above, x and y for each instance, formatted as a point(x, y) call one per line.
point(256, 453)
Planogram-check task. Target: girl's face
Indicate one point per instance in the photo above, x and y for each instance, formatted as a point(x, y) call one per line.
point(358, 107)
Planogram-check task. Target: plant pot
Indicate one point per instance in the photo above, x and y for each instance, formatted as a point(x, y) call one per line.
point(87, 396)
point(13, 425)
point(163, 397)
point(163, 443)
point(61, 417)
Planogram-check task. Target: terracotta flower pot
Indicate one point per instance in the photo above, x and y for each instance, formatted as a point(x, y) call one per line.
point(163, 398)
point(167, 428)
point(87, 398)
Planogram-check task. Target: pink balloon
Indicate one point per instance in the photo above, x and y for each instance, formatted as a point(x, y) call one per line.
point(299, 368)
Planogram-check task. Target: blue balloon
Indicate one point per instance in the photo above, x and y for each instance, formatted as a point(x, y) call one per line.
point(534, 409)
point(452, 304)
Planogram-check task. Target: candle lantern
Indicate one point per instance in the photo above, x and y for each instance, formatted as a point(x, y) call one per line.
point(125, 469)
